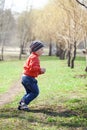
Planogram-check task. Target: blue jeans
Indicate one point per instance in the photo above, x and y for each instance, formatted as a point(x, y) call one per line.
point(31, 87)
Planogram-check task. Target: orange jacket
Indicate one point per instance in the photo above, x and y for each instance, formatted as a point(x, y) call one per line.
point(32, 66)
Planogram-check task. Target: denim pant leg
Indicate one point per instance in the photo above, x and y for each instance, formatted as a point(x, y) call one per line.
point(31, 87)
point(27, 91)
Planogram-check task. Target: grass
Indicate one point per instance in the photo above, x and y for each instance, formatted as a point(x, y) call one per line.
point(10, 71)
point(61, 105)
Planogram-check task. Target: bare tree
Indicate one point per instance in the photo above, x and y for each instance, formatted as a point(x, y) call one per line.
point(7, 27)
point(73, 27)
point(24, 30)
point(2, 2)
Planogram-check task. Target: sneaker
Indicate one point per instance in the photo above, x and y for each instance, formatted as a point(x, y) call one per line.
point(23, 106)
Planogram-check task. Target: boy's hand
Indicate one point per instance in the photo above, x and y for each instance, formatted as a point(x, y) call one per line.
point(43, 70)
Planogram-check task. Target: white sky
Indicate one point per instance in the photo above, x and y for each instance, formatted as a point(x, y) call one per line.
point(21, 5)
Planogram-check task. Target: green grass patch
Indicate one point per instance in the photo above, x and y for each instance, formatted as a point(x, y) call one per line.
point(10, 72)
point(61, 105)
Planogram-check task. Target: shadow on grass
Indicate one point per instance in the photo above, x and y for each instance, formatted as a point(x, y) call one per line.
point(51, 112)
point(49, 116)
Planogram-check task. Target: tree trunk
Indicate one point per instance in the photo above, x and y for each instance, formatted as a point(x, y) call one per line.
point(50, 49)
point(62, 54)
point(2, 51)
point(74, 56)
point(57, 50)
point(22, 48)
point(20, 55)
point(69, 58)
point(86, 62)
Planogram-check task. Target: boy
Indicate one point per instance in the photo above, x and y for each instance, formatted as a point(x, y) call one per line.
point(31, 70)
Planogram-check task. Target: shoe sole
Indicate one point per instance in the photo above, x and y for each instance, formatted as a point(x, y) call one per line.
point(23, 109)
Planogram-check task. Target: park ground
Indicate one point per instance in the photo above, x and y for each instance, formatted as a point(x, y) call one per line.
point(61, 105)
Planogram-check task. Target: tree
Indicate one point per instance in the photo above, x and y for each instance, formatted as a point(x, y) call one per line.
point(60, 23)
point(71, 27)
point(2, 2)
point(24, 30)
point(7, 23)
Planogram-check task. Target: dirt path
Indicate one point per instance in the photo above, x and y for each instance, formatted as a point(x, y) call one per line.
point(12, 92)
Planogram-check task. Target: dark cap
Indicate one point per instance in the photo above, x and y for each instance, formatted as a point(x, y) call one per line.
point(36, 45)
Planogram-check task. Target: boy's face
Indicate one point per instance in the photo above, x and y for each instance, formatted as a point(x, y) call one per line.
point(40, 51)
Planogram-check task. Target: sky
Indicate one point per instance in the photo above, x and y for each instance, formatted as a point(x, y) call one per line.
point(21, 5)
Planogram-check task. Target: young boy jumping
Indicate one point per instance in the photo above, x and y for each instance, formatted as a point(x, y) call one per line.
point(31, 70)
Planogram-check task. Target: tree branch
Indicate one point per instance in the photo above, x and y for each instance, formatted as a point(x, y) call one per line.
point(81, 3)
